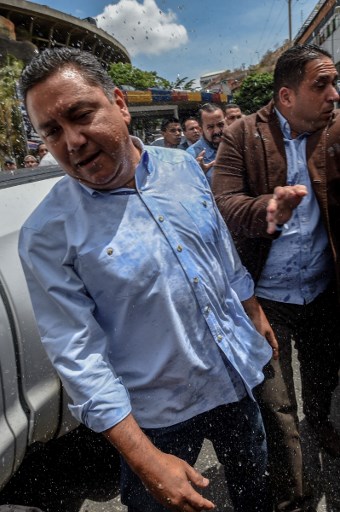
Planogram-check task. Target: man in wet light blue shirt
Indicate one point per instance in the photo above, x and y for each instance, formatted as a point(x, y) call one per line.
point(137, 290)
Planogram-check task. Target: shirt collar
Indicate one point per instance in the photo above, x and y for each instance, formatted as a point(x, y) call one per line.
point(286, 130)
point(208, 144)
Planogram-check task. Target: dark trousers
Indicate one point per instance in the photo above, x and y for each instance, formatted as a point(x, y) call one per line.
point(316, 333)
point(237, 434)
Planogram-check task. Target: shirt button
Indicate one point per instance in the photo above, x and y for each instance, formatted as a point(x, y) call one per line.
point(205, 204)
point(109, 251)
point(219, 337)
point(195, 279)
point(161, 218)
point(179, 248)
point(206, 309)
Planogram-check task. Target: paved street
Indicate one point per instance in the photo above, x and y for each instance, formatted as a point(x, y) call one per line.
point(79, 473)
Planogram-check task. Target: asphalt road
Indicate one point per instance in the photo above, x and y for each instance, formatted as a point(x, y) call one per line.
point(80, 473)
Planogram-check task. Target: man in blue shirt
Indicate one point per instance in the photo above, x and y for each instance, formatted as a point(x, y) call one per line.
point(191, 132)
point(212, 121)
point(137, 290)
point(172, 133)
point(286, 157)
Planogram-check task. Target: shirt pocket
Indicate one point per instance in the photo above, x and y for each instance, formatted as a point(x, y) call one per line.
point(122, 267)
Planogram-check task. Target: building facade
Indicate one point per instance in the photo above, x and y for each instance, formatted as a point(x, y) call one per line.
point(322, 27)
point(45, 28)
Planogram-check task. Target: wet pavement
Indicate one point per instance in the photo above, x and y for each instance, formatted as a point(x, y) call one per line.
point(80, 473)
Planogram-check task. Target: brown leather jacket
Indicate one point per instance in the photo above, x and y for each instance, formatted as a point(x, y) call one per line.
point(251, 162)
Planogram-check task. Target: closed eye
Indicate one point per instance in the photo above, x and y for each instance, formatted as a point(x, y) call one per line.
point(83, 115)
point(51, 133)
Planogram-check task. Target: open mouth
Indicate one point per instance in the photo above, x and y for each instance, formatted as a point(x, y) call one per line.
point(88, 160)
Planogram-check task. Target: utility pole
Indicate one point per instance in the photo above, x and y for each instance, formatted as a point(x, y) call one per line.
point(290, 21)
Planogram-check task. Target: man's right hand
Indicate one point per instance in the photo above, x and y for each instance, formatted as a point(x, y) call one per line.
point(172, 482)
point(169, 479)
point(281, 205)
point(200, 159)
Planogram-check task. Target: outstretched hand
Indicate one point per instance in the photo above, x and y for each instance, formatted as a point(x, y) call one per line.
point(200, 159)
point(282, 204)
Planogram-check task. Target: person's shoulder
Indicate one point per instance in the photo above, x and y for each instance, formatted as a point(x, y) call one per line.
point(248, 125)
point(169, 155)
point(175, 167)
point(158, 142)
point(197, 147)
point(184, 145)
point(264, 115)
point(48, 159)
point(198, 144)
point(169, 161)
point(61, 200)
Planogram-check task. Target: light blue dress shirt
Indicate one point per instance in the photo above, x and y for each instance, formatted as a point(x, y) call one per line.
point(299, 265)
point(209, 156)
point(137, 296)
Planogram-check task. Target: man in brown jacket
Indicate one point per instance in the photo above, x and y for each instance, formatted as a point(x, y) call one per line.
point(282, 165)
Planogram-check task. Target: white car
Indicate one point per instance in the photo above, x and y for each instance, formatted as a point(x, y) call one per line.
point(33, 405)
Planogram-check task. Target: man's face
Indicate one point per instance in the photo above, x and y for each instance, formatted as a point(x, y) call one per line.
point(192, 131)
point(310, 107)
point(231, 114)
point(212, 126)
point(42, 150)
point(172, 135)
point(84, 130)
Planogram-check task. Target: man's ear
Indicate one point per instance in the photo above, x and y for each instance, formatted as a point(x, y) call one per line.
point(120, 102)
point(286, 96)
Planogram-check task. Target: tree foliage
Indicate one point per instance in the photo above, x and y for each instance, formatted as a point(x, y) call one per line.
point(126, 74)
point(12, 138)
point(255, 92)
point(183, 83)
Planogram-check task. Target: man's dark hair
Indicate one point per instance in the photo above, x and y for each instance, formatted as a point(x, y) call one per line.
point(167, 121)
point(190, 118)
point(207, 107)
point(291, 65)
point(50, 61)
point(231, 105)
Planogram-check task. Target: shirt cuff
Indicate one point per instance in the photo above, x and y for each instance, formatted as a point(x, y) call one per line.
point(104, 409)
